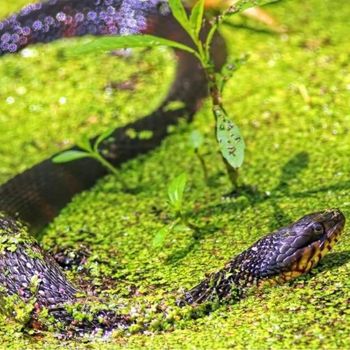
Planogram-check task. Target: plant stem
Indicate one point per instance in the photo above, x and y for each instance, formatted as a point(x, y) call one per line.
point(203, 54)
point(217, 106)
point(109, 167)
point(189, 224)
point(232, 173)
point(106, 164)
point(203, 165)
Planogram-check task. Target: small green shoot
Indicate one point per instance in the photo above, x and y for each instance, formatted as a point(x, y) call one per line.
point(88, 150)
point(176, 191)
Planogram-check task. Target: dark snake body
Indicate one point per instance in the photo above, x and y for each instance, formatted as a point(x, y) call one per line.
point(34, 197)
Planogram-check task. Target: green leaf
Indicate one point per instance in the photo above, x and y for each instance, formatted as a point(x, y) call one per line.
point(176, 191)
point(179, 12)
point(104, 136)
point(196, 139)
point(230, 140)
point(159, 238)
point(196, 17)
point(161, 235)
point(69, 156)
point(108, 43)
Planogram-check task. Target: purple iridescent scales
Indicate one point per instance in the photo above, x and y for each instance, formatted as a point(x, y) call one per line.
point(53, 19)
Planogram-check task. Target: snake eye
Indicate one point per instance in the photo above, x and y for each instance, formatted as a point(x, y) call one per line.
point(318, 228)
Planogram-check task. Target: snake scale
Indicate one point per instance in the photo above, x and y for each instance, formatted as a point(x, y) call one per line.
point(33, 198)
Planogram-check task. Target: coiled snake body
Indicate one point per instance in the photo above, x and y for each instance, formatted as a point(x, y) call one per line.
point(34, 197)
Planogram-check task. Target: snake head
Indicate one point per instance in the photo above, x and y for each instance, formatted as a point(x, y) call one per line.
point(297, 248)
point(278, 257)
